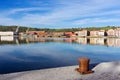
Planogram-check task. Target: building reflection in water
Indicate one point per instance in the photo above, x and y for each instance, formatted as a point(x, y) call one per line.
point(93, 41)
point(82, 40)
point(6, 38)
point(69, 40)
point(98, 41)
point(115, 42)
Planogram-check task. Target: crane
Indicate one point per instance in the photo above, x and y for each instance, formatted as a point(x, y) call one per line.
point(16, 31)
point(27, 30)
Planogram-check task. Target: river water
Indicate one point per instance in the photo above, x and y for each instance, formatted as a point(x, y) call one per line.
point(40, 53)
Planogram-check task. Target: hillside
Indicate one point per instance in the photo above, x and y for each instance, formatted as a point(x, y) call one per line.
point(23, 29)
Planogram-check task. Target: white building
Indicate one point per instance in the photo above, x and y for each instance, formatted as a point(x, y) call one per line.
point(117, 32)
point(82, 33)
point(9, 33)
point(101, 33)
point(97, 33)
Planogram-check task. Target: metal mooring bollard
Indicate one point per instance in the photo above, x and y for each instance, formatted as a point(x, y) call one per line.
point(84, 66)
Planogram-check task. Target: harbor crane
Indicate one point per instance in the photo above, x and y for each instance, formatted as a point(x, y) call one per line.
point(16, 31)
point(27, 30)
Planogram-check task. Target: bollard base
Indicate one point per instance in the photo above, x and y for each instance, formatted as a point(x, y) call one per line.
point(81, 72)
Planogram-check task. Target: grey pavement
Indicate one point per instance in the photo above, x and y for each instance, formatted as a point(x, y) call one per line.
point(103, 71)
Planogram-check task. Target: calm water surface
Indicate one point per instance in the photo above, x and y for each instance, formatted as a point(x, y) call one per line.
point(32, 54)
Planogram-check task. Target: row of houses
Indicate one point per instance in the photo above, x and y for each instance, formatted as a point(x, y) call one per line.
point(91, 33)
point(96, 33)
point(82, 33)
point(114, 32)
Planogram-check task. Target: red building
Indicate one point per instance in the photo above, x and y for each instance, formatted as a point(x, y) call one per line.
point(36, 32)
point(69, 34)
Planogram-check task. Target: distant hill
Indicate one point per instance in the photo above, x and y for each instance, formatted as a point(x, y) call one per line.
point(23, 29)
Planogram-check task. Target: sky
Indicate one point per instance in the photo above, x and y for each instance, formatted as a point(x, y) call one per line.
point(60, 13)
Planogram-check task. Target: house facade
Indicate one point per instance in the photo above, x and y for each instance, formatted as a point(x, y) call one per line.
point(101, 33)
point(58, 34)
point(69, 34)
point(82, 33)
point(111, 32)
point(117, 32)
point(114, 32)
point(93, 33)
point(36, 32)
point(97, 33)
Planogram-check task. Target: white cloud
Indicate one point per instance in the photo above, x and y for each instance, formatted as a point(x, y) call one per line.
point(26, 9)
point(67, 12)
point(22, 10)
point(95, 20)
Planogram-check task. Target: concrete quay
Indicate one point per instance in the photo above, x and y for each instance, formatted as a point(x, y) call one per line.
point(103, 71)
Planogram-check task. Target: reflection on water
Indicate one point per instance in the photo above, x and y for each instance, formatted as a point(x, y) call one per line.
point(38, 53)
point(115, 42)
point(6, 38)
point(92, 41)
point(98, 41)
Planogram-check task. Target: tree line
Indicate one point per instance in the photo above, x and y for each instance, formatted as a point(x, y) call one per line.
point(23, 29)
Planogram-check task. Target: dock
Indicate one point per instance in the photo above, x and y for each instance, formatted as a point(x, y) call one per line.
point(102, 71)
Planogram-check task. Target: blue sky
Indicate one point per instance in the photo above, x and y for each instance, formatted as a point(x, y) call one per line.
point(60, 13)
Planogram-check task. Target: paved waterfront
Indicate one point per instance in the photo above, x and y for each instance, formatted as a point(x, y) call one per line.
point(103, 71)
